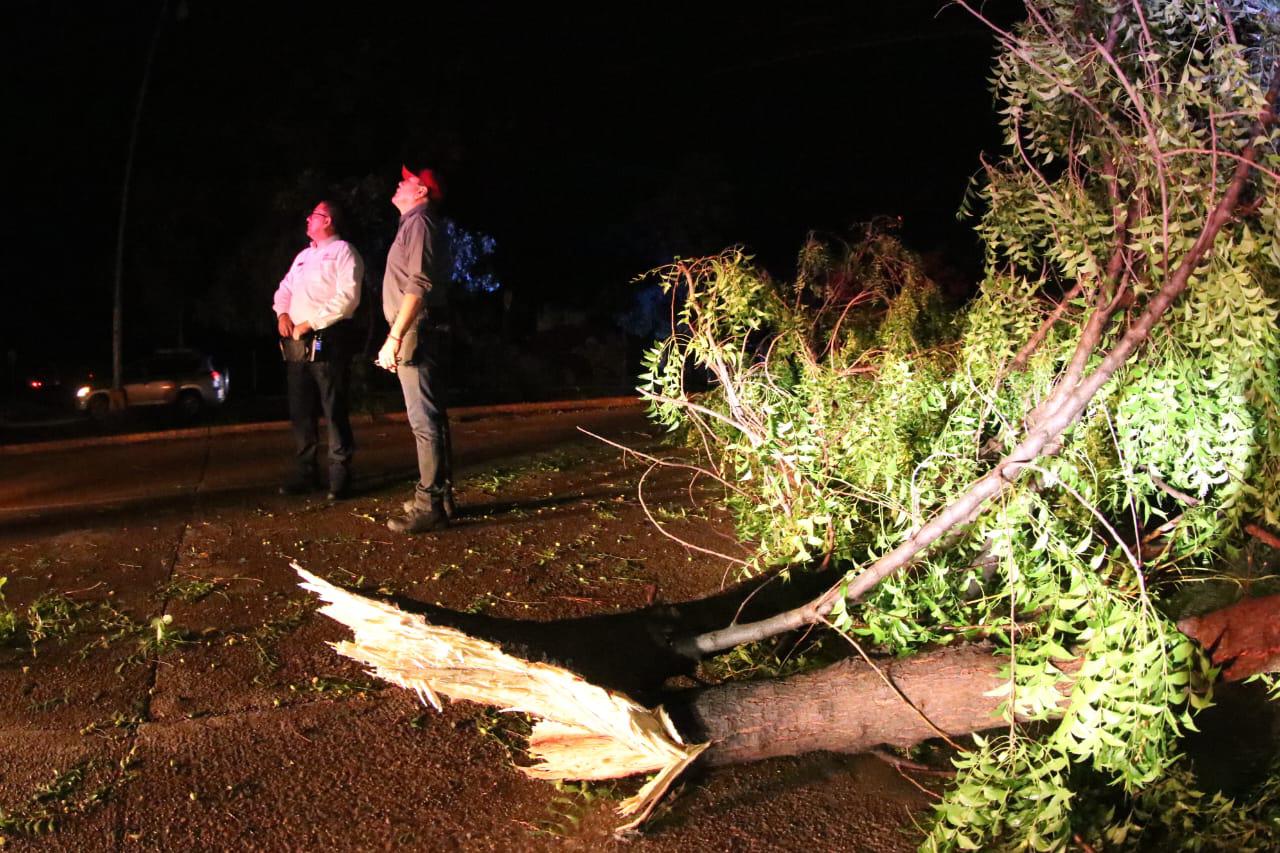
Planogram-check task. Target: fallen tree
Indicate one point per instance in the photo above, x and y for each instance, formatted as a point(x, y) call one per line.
point(1096, 431)
point(1100, 429)
point(586, 732)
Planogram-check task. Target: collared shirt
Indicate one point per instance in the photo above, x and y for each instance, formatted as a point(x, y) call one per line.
point(411, 263)
point(322, 286)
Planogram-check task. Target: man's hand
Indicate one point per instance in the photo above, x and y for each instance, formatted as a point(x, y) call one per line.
point(284, 325)
point(301, 329)
point(389, 355)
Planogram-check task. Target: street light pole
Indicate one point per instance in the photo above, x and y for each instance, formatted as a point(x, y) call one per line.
point(117, 309)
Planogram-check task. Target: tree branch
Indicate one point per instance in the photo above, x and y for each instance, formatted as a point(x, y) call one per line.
point(1054, 422)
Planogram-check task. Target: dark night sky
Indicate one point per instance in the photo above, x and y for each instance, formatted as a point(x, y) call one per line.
point(592, 145)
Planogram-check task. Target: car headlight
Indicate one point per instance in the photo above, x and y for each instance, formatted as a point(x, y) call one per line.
point(83, 391)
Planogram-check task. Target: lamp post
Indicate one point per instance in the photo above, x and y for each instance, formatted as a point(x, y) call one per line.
point(117, 308)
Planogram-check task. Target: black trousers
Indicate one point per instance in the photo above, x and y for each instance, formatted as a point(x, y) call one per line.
point(317, 387)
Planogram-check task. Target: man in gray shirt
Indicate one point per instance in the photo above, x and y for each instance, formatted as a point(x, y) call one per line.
point(415, 304)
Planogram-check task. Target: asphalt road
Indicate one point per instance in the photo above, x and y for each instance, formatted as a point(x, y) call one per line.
point(175, 717)
point(81, 483)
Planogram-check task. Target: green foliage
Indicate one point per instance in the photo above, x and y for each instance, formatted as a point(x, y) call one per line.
point(70, 793)
point(806, 477)
point(572, 803)
point(9, 620)
point(844, 410)
point(1173, 814)
point(769, 660)
point(161, 637)
point(339, 688)
point(188, 588)
point(264, 638)
point(510, 731)
point(49, 618)
point(52, 617)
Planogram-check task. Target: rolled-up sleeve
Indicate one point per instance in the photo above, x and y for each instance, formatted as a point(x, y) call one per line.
point(284, 292)
point(342, 304)
point(417, 255)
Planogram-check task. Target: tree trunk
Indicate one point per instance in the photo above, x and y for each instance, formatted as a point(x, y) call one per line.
point(846, 707)
point(849, 707)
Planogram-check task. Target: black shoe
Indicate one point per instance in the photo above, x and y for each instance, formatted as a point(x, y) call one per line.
point(419, 521)
point(338, 494)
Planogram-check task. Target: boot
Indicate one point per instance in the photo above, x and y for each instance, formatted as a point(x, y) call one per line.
point(446, 503)
point(419, 521)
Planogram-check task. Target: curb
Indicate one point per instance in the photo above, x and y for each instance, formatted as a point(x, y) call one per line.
point(462, 413)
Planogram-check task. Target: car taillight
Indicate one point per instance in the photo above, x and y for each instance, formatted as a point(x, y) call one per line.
point(36, 383)
point(215, 376)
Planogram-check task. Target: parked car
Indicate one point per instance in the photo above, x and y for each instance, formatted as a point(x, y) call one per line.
point(183, 379)
point(49, 386)
point(42, 394)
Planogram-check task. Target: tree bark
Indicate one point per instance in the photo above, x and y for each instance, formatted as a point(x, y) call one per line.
point(846, 707)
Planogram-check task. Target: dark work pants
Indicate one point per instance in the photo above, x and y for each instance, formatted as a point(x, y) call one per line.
point(315, 387)
point(423, 386)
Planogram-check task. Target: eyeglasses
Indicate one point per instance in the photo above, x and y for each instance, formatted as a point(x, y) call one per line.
point(319, 213)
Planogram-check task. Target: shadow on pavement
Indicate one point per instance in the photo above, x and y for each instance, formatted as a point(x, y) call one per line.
point(628, 652)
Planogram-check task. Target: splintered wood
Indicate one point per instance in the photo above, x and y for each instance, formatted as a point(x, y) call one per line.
point(582, 732)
